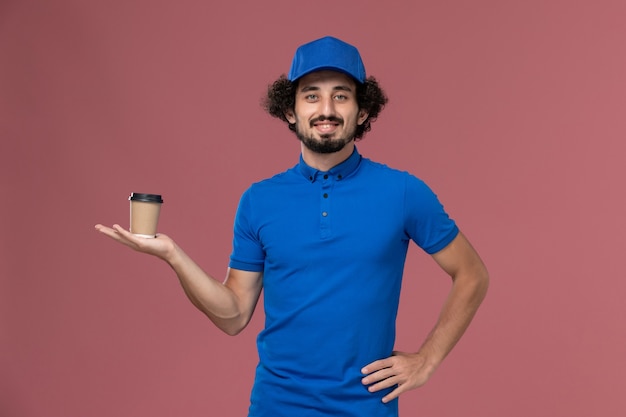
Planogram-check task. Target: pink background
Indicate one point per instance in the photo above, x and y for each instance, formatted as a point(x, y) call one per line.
point(513, 111)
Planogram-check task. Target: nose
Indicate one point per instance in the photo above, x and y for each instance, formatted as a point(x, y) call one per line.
point(327, 107)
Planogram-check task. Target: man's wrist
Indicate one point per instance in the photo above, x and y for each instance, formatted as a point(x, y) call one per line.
point(173, 255)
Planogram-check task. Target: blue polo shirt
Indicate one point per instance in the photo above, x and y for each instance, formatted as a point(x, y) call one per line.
point(331, 246)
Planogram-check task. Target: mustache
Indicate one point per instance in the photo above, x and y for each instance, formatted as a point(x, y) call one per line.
point(326, 119)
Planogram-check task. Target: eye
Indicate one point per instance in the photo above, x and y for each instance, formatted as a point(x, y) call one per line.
point(341, 97)
point(310, 97)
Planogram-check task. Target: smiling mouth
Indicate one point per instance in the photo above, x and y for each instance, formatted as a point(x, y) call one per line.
point(326, 125)
point(326, 128)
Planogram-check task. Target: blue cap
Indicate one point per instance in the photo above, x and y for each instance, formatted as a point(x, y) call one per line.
point(327, 53)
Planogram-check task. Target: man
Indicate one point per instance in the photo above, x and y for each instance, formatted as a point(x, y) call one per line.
point(326, 241)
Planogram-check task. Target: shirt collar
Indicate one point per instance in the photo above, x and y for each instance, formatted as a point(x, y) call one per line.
point(337, 172)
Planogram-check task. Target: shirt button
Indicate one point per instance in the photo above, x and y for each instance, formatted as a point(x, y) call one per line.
point(324, 214)
point(325, 176)
point(325, 195)
point(339, 177)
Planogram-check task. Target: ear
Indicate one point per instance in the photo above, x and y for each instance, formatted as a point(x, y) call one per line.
point(363, 114)
point(290, 116)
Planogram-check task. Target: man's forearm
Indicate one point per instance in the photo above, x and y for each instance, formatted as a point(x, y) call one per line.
point(213, 298)
point(467, 293)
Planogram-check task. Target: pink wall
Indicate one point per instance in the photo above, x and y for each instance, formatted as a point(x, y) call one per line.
point(513, 111)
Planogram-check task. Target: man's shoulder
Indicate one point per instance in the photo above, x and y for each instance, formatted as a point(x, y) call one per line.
point(394, 179)
point(380, 168)
point(287, 177)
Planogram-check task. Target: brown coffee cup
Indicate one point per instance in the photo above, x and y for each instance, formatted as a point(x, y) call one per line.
point(144, 214)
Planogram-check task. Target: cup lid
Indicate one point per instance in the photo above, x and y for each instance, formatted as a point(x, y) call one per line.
point(148, 198)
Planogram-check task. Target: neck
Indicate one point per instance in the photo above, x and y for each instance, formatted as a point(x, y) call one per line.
point(326, 161)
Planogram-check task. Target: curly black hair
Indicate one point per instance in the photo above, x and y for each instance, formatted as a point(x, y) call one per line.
point(281, 97)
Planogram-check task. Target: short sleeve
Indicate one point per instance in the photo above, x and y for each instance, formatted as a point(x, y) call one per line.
point(426, 221)
point(247, 254)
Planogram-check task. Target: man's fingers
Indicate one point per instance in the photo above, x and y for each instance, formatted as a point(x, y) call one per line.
point(376, 366)
point(378, 376)
point(400, 372)
point(393, 394)
point(119, 234)
point(106, 231)
point(383, 384)
point(119, 229)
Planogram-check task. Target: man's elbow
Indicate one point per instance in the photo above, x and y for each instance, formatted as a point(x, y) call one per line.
point(481, 282)
point(232, 326)
point(475, 280)
point(233, 331)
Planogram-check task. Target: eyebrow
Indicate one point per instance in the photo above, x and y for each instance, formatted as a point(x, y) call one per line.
point(307, 88)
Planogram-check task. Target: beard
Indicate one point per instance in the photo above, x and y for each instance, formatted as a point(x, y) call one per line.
point(325, 144)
